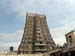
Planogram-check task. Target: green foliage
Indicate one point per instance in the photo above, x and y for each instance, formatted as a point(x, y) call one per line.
point(11, 48)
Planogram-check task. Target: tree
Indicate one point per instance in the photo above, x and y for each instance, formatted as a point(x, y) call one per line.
point(11, 48)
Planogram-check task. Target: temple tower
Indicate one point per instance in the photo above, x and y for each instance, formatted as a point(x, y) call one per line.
point(36, 36)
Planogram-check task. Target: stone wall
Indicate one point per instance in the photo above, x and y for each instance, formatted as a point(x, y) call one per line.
point(21, 55)
point(6, 53)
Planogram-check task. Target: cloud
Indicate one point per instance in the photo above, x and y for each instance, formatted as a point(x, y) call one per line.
point(10, 39)
point(6, 46)
point(48, 7)
point(58, 33)
point(60, 16)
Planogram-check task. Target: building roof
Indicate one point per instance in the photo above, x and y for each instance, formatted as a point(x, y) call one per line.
point(70, 32)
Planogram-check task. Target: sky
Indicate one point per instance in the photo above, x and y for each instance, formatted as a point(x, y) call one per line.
point(60, 16)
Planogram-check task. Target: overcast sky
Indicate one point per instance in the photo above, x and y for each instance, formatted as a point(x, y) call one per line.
point(60, 16)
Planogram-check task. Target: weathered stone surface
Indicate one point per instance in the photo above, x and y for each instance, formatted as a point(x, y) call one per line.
point(36, 37)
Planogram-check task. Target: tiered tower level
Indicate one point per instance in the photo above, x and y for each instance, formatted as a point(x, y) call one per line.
point(36, 36)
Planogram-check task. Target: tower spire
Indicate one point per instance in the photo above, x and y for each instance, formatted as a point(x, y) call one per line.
point(36, 36)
